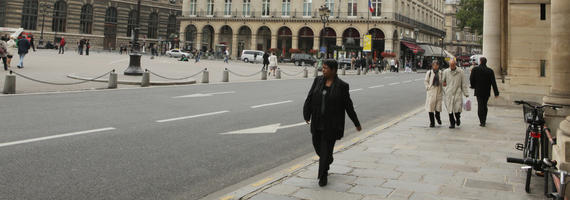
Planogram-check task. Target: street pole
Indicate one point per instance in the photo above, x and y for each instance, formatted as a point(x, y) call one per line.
point(134, 68)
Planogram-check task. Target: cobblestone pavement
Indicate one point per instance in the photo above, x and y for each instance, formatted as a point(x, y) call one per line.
point(408, 160)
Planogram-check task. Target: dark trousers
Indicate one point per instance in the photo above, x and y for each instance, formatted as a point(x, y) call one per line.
point(87, 51)
point(482, 108)
point(4, 60)
point(61, 50)
point(80, 50)
point(324, 148)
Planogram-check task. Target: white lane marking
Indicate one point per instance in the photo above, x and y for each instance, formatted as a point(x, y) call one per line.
point(55, 136)
point(271, 104)
point(396, 83)
point(354, 90)
point(193, 116)
point(204, 95)
point(271, 128)
point(376, 86)
point(419, 79)
point(407, 81)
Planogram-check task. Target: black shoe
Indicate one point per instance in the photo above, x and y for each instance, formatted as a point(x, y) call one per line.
point(457, 119)
point(451, 121)
point(323, 181)
point(482, 124)
point(437, 117)
point(431, 120)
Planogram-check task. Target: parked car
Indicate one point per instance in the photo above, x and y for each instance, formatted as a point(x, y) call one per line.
point(249, 56)
point(301, 59)
point(176, 53)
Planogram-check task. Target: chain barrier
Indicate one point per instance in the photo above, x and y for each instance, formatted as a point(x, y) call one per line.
point(53, 83)
point(287, 74)
point(176, 79)
point(256, 73)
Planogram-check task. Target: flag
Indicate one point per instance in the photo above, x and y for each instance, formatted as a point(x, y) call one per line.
point(370, 6)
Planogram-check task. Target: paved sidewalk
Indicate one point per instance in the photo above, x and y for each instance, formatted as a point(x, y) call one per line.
point(408, 160)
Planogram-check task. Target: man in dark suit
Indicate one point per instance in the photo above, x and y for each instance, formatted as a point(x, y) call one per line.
point(324, 109)
point(482, 78)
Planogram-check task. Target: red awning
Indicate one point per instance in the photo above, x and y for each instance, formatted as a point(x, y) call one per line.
point(413, 47)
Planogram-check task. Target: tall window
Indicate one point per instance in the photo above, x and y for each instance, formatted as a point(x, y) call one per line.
point(307, 6)
point(111, 15)
point(59, 20)
point(192, 7)
point(265, 8)
point(210, 8)
point(2, 13)
point(377, 5)
point(352, 8)
point(152, 26)
point(30, 14)
point(330, 4)
point(228, 7)
point(286, 8)
point(86, 20)
point(132, 22)
point(246, 7)
point(171, 27)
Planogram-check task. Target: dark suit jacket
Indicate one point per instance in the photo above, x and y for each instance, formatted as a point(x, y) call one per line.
point(339, 101)
point(23, 46)
point(482, 78)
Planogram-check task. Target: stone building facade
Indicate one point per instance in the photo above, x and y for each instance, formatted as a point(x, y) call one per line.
point(106, 23)
point(295, 24)
point(459, 41)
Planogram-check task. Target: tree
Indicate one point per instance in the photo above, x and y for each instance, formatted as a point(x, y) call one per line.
point(471, 14)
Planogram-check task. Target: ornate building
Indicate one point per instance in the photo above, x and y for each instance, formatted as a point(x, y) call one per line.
point(106, 23)
point(459, 41)
point(295, 24)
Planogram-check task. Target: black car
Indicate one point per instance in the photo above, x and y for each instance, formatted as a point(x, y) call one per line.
point(302, 59)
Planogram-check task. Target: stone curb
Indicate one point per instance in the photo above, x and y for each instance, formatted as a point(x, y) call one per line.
point(135, 82)
point(255, 188)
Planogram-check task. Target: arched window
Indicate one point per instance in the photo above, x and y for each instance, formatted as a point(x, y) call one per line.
point(111, 15)
point(152, 26)
point(30, 14)
point(171, 27)
point(59, 20)
point(132, 22)
point(86, 23)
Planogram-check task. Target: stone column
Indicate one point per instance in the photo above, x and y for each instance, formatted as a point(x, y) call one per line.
point(254, 42)
point(388, 44)
point(316, 43)
point(185, 8)
point(216, 40)
point(560, 90)
point(294, 42)
point(198, 40)
point(234, 50)
point(273, 41)
point(492, 35)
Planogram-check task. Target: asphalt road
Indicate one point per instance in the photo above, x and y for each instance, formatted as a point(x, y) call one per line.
point(159, 143)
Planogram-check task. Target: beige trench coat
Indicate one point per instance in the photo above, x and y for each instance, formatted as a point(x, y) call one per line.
point(434, 94)
point(455, 89)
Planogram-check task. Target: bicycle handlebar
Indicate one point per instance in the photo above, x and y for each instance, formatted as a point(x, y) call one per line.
point(554, 107)
point(525, 161)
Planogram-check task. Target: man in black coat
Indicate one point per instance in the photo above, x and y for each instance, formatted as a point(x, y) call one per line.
point(324, 109)
point(23, 47)
point(265, 61)
point(482, 78)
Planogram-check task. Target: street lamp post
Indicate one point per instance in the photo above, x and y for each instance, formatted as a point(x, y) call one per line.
point(134, 68)
point(45, 6)
point(325, 13)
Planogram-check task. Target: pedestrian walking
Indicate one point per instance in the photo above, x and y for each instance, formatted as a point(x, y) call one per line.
point(324, 109)
point(4, 52)
point(23, 47)
point(273, 63)
point(455, 87)
point(87, 47)
point(12, 47)
point(265, 61)
point(198, 56)
point(226, 56)
point(32, 43)
point(61, 46)
point(482, 78)
point(434, 93)
point(80, 46)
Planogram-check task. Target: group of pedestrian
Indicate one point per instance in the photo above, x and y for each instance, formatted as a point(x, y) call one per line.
point(83, 44)
point(451, 85)
point(10, 45)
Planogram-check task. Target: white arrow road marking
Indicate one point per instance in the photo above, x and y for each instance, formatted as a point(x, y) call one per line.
point(55, 136)
point(272, 128)
point(407, 81)
point(354, 90)
point(193, 116)
point(204, 95)
point(271, 104)
point(376, 86)
point(396, 83)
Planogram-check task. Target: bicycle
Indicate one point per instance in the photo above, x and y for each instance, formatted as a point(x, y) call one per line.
point(548, 166)
point(535, 137)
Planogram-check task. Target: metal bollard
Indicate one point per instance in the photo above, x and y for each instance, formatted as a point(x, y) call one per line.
point(343, 71)
point(226, 75)
point(205, 76)
point(263, 74)
point(112, 80)
point(145, 79)
point(278, 73)
point(305, 73)
point(10, 84)
point(316, 72)
point(358, 71)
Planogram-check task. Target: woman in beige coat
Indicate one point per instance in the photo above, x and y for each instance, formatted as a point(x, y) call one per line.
point(434, 93)
point(455, 87)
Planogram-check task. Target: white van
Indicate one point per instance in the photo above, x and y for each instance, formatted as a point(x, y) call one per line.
point(249, 56)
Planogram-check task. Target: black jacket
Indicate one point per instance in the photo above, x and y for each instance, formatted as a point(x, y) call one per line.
point(23, 46)
point(339, 102)
point(266, 59)
point(482, 78)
